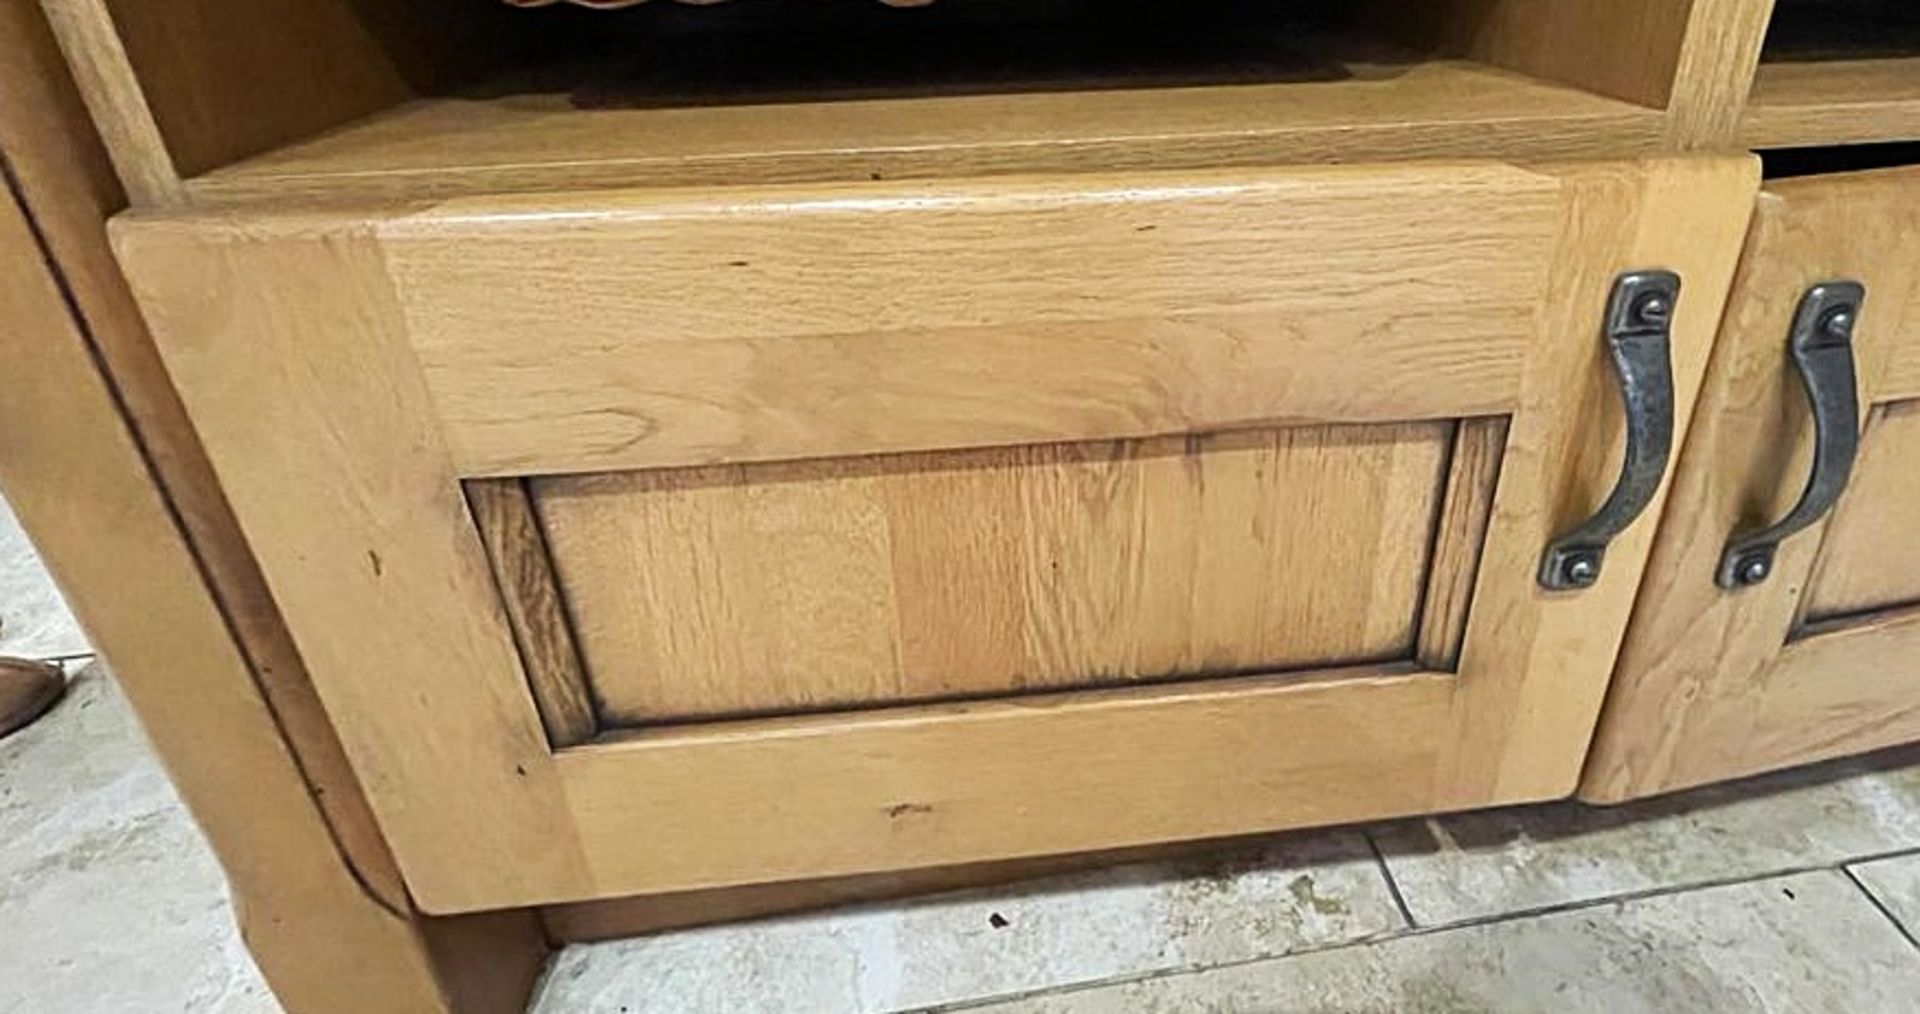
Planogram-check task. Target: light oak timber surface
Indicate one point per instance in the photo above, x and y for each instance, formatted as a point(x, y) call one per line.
point(329, 388)
point(531, 596)
point(308, 375)
point(1708, 686)
point(1870, 556)
point(1472, 472)
point(190, 85)
point(120, 112)
point(638, 329)
point(77, 474)
point(103, 467)
point(812, 585)
point(452, 146)
point(1714, 71)
point(1838, 692)
point(1623, 48)
point(1816, 102)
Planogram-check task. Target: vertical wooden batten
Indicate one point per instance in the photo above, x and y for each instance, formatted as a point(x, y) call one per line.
point(111, 87)
point(1714, 74)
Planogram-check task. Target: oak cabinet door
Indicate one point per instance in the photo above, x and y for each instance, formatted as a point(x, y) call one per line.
point(1813, 651)
point(653, 540)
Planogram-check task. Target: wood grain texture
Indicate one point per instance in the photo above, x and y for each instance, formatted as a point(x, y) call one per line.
point(76, 475)
point(815, 585)
point(1799, 104)
point(219, 82)
point(342, 487)
point(102, 466)
point(792, 322)
point(1532, 671)
point(940, 784)
point(1699, 665)
point(1691, 59)
point(1512, 719)
point(1870, 556)
point(1627, 49)
point(68, 186)
point(452, 147)
point(1715, 71)
point(1900, 370)
point(289, 335)
point(531, 596)
point(1844, 692)
point(1473, 470)
point(108, 81)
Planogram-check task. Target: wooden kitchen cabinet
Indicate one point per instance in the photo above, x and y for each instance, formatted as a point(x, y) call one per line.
point(692, 539)
point(676, 464)
point(1816, 653)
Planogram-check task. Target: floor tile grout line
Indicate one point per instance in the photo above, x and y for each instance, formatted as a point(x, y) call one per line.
point(57, 659)
point(1881, 906)
point(1393, 886)
point(1475, 922)
point(1664, 890)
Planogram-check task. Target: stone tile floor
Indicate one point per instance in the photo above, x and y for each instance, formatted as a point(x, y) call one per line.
point(1793, 892)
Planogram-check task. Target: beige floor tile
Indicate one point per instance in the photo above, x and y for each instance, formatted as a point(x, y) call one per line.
point(110, 902)
point(1494, 862)
point(34, 620)
point(1896, 883)
point(1805, 942)
point(1273, 899)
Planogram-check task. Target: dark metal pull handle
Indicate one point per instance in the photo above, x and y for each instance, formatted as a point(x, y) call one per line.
point(1822, 346)
point(1638, 335)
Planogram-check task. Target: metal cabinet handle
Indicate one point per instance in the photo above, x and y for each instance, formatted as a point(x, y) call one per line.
point(1822, 346)
point(1638, 336)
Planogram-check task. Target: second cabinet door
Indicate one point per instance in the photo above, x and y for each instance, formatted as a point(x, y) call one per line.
point(1779, 622)
point(652, 540)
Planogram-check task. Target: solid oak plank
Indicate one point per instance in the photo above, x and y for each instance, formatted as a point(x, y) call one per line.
point(535, 610)
point(190, 85)
point(102, 467)
point(1715, 72)
point(1562, 455)
point(1624, 48)
point(341, 485)
point(757, 324)
point(454, 146)
point(1870, 556)
point(1797, 104)
point(1472, 471)
point(110, 84)
point(813, 585)
point(1841, 693)
point(66, 184)
point(943, 784)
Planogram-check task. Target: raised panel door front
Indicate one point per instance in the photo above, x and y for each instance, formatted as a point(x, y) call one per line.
point(1819, 657)
point(654, 540)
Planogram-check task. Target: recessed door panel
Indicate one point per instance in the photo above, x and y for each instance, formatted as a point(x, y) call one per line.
point(1870, 558)
point(773, 588)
